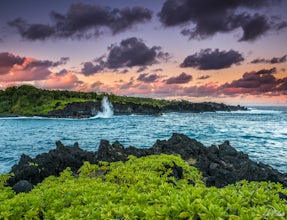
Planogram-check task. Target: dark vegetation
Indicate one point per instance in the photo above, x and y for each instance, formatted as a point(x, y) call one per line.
point(27, 100)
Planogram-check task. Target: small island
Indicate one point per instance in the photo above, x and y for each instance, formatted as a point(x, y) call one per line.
point(27, 100)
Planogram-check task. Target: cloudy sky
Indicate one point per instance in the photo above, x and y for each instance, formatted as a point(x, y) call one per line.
point(200, 50)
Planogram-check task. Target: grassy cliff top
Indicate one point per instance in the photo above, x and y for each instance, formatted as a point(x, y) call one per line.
point(28, 100)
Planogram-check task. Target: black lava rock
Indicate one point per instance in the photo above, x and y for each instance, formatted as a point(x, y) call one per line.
point(220, 166)
point(23, 186)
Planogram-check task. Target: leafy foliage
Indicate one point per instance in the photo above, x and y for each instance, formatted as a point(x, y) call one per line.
point(141, 188)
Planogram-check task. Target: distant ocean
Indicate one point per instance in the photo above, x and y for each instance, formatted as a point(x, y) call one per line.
point(260, 132)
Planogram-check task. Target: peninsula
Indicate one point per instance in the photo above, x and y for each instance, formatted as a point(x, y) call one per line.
point(27, 100)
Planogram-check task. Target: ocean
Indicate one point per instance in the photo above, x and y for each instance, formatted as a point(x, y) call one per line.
point(260, 132)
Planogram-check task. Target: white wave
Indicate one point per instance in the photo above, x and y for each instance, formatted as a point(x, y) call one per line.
point(107, 109)
point(21, 117)
point(254, 111)
point(264, 111)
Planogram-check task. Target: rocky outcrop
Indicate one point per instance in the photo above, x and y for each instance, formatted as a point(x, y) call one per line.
point(220, 165)
point(77, 110)
point(129, 108)
point(189, 107)
point(52, 163)
point(90, 109)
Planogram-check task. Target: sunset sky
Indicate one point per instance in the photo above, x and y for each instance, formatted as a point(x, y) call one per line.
point(200, 50)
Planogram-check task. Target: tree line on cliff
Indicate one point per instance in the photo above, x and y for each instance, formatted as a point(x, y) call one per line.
point(27, 100)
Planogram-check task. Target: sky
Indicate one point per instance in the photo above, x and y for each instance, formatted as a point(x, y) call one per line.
point(198, 50)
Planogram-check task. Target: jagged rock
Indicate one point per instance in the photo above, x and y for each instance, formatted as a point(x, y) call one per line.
point(179, 144)
point(51, 163)
point(111, 153)
point(23, 186)
point(226, 150)
point(219, 165)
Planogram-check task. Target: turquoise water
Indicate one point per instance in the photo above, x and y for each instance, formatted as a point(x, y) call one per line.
point(260, 132)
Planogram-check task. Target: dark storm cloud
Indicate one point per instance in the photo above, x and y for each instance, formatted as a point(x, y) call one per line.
point(203, 77)
point(83, 21)
point(254, 83)
point(47, 63)
point(253, 27)
point(124, 71)
point(213, 16)
point(90, 68)
point(282, 88)
point(129, 53)
point(32, 31)
point(158, 70)
point(133, 52)
point(261, 82)
point(273, 60)
point(181, 79)
point(148, 78)
point(265, 71)
point(8, 60)
point(209, 59)
point(141, 69)
point(62, 72)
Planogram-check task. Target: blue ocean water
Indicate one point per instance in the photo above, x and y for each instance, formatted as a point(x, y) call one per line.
point(260, 132)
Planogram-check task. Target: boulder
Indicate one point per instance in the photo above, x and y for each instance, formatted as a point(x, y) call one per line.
point(23, 186)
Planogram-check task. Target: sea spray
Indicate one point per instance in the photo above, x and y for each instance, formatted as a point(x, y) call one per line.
point(107, 109)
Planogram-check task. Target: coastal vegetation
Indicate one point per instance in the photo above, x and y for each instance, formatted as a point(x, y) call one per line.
point(141, 188)
point(27, 100)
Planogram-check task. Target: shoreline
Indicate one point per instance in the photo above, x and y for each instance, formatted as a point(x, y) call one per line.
point(90, 112)
point(220, 165)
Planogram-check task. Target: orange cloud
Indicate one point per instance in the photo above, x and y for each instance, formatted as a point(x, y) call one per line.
point(67, 81)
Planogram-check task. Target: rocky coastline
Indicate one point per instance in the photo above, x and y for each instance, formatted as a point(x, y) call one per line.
point(220, 165)
point(90, 109)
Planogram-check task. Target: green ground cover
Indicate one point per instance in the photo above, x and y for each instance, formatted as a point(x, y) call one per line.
point(141, 188)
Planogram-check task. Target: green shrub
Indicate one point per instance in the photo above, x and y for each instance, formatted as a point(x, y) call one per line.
point(141, 188)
